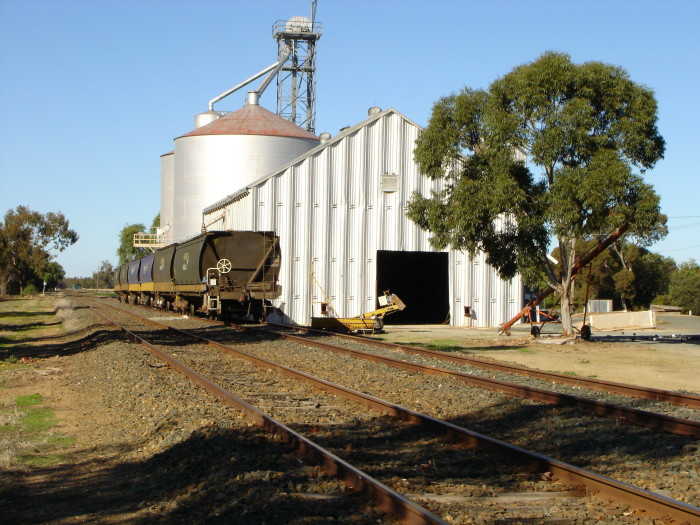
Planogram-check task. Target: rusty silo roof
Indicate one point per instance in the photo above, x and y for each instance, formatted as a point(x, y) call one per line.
point(252, 119)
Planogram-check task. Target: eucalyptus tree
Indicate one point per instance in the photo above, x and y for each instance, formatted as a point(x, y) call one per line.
point(127, 251)
point(684, 288)
point(551, 153)
point(28, 243)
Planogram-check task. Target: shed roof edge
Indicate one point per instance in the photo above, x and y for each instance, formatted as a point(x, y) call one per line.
point(244, 192)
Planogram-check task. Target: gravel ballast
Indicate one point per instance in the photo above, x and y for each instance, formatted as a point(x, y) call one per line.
point(162, 450)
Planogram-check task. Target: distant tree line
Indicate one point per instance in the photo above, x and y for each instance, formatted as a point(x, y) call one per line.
point(102, 278)
point(635, 278)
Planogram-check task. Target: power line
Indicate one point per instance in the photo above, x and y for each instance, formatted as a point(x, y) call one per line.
point(691, 225)
point(679, 249)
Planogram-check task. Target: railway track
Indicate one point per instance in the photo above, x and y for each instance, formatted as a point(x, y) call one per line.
point(641, 392)
point(656, 421)
point(329, 431)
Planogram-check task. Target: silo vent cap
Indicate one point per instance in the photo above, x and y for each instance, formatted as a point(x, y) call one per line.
point(252, 98)
point(374, 110)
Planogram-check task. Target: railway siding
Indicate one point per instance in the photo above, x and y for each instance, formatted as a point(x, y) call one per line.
point(268, 344)
point(449, 498)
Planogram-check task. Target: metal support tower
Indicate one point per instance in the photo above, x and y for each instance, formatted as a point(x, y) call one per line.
point(296, 80)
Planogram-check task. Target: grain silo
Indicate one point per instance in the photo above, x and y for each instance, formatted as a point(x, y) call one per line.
point(226, 154)
point(167, 192)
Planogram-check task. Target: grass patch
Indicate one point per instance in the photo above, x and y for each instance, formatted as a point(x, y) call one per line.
point(7, 363)
point(24, 434)
point(569, 373)
point(444, 347)
point(34, 460)
point(525, 351)
point(59, 441)
point(440, 345)
point(38, 419)
point(32, 399)
point(25, 323)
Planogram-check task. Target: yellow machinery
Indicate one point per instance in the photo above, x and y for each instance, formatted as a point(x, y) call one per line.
point(368, 322)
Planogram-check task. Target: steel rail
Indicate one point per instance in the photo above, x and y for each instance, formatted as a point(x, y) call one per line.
point(357, 481)
point(659, 422)
point(634, 416)
point(575, 477)
point(655, 394)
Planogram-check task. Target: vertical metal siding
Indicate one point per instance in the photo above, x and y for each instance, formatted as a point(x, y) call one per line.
point(332, 215)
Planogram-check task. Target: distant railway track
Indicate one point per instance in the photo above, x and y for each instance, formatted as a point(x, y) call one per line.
point(655, 421)
point(676, 398)
point(572, 476)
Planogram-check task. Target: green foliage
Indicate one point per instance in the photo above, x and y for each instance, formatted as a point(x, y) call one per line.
point(155, 224)
point(588, 133)
point(27, 239)
point(126, 251)
point(630, 275)
point(684, 289)
point(79, 282)
point(103, 278)
point(53, 275)
point(30, 289)
point(12, 360)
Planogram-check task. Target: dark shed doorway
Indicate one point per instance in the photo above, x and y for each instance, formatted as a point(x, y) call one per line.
point(421, 280)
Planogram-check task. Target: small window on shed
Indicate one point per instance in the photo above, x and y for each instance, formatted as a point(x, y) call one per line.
point(390, 182)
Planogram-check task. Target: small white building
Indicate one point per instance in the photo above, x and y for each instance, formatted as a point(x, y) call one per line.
point(340, 212)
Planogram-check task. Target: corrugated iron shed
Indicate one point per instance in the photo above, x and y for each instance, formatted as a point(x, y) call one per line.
point(338, 206)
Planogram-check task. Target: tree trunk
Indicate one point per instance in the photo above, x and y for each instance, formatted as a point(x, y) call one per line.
point(567, 321)
point(567, 250)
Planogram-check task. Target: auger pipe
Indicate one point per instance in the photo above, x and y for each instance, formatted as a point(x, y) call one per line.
point(239, 86)
point(276, 67)
point(283, 58)
point(578, 266)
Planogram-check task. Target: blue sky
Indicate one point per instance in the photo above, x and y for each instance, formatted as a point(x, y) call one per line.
point(92, 92)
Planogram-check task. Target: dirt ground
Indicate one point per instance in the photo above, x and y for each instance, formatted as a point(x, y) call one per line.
point(672, 362)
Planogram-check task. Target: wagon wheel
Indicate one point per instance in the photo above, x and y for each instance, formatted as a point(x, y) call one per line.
point(224, 266)
point(378, 324)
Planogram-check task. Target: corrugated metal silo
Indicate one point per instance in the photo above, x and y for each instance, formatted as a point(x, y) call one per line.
point(226, 155)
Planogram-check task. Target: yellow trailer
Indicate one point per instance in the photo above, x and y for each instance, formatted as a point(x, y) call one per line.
point(367, 322)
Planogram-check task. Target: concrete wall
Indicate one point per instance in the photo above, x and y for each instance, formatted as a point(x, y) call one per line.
point(613, 320)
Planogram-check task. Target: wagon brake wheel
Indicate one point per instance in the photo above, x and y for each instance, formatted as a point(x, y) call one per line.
point(224, 265)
